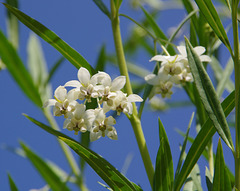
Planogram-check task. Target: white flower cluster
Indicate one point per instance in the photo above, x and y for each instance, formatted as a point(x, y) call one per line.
point(174, 70)
point(108, 95)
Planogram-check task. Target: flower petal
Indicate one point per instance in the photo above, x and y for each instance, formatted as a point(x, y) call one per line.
point(60, 93)
point(101, 78)
point(159, 58)
point(112, 134)
point(152, 79)
point(134, 98)
point(118, 83)
point(49, 102)
point(205, 58)
point(182, 50)
point(199, 50)
point(73, 83)
point(84, 76)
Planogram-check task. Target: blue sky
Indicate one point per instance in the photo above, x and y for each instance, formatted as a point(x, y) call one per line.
point(85, 28)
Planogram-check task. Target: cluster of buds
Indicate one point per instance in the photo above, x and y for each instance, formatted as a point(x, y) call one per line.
point(72, 104)
point(174, 70)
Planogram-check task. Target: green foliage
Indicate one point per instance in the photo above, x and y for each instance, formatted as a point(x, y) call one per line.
point(50, 37)
point(163, 177)
point(21, 75)
point(208, 96)
point(12, 184)
point(52, 179)
point(102, 167)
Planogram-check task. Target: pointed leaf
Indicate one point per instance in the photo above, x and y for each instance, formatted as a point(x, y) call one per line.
point(181, 157)
point(208, 96)
point(209, 179)
point(163, 177)
point(102, 167)
point(18, 71)
point(101, 61)
point(13, 25)
point(102, 7)
point(50, 37)
point(12, 184)
point(200, 143)
point(46, 172)
point(221, 181)
point(211, 15)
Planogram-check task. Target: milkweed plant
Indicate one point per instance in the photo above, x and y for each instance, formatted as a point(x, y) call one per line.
point(188, 58)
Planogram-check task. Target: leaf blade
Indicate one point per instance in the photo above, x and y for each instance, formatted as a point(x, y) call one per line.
point(99, 164)
point(18, 71)
point(50, 37)
point(208, 95)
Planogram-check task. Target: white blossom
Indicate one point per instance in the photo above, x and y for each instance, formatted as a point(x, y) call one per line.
point(79, 120)
point(103, 126)
point(64, 103)
point(123, 103)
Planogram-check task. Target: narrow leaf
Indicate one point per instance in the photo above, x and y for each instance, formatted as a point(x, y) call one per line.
point(12, 184)
point(38, 67)
point(17, 69)
point(50, 37)
point(163, 177)
point(200, 143)
point(102, 167)
point(208, 96)
point(221, 181)
point(211, 15)
point(46, 172)
point(209, 179)
point(13, 25)
point(102, 7)
point(181, 157)
point(101, 60)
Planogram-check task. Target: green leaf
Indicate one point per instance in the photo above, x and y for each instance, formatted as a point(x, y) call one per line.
point(101, 60)
point(209, 179)
point(211, 15)
point(12, 184)
point(50, 37)
point(13, 25)
point(158, 32)
point(15, 66)
point(102, 167)
point(38, 67)
point(103, 7)
point(208, 96)
point(163, 177)
point(221, 181)
point(181, 157)
point(200, 143)
point(46, 172)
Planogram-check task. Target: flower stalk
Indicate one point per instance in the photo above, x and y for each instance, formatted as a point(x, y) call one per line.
point(134, 119)
point(237, 89)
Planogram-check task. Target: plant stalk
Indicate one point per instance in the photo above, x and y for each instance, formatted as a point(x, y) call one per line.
point(237, 93)
point(134, 119)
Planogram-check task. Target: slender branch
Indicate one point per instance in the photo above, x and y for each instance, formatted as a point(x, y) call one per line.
point(237, 89)
point(134, 119)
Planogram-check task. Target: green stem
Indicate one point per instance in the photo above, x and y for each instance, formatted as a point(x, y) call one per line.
point(237, 88)
point(134, 119)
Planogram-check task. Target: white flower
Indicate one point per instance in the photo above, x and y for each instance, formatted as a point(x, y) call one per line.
point(107, 88)
point(64, 103)
point(103, 126)
point(85, 85)
point(79, 120)
point(161, 82)
point(123, 103)
point(198, 49)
